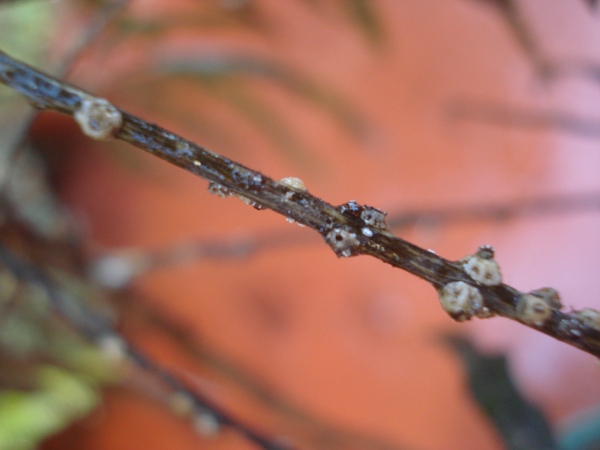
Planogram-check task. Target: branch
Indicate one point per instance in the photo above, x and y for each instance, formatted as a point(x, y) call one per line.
point(519, 28)
point(469, 287)
point(536, 119)
point(317, 433)
point(206, 416)
point(117, 267)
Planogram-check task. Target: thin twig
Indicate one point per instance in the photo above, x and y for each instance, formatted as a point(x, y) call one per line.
point(207, 416)
point(503, 115)
point(514, 18)
point(498, 212)
point(116, 268)
point(468, 287)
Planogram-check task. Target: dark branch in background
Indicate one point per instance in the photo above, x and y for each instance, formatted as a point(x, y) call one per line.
point(521, 425)
point(469, 287)
point(578, 68)
point(115, 268)
point(316, 431)
point(545, 67)
point(497, 114)
point(206, 416)
point(517, 209)
point(509, 10)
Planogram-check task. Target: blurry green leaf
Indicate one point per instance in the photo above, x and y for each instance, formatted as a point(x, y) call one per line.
point(512, 15)
point(66, 390)
point(50, 374)
point(26, 29)
point(521, 425)
point(29, 417)
point(31, 332)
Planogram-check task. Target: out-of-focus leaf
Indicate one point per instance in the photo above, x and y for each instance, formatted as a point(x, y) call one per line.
point(50, 375)
point(364, 14)
point(25, 29)
point(266, 120)
point(214, 66)
point(28, 417)
point(521, 425)
point(582, 432)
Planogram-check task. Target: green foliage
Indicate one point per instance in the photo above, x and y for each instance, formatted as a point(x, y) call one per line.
point(38, 18)
point(59, 397)
point(51, 376)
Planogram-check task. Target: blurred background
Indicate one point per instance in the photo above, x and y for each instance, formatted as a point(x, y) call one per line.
point(470, 122)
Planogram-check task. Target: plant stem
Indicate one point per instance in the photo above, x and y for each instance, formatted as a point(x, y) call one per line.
point(349, 229)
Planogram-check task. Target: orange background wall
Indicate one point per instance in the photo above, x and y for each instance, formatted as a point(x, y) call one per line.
point(352, 343)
